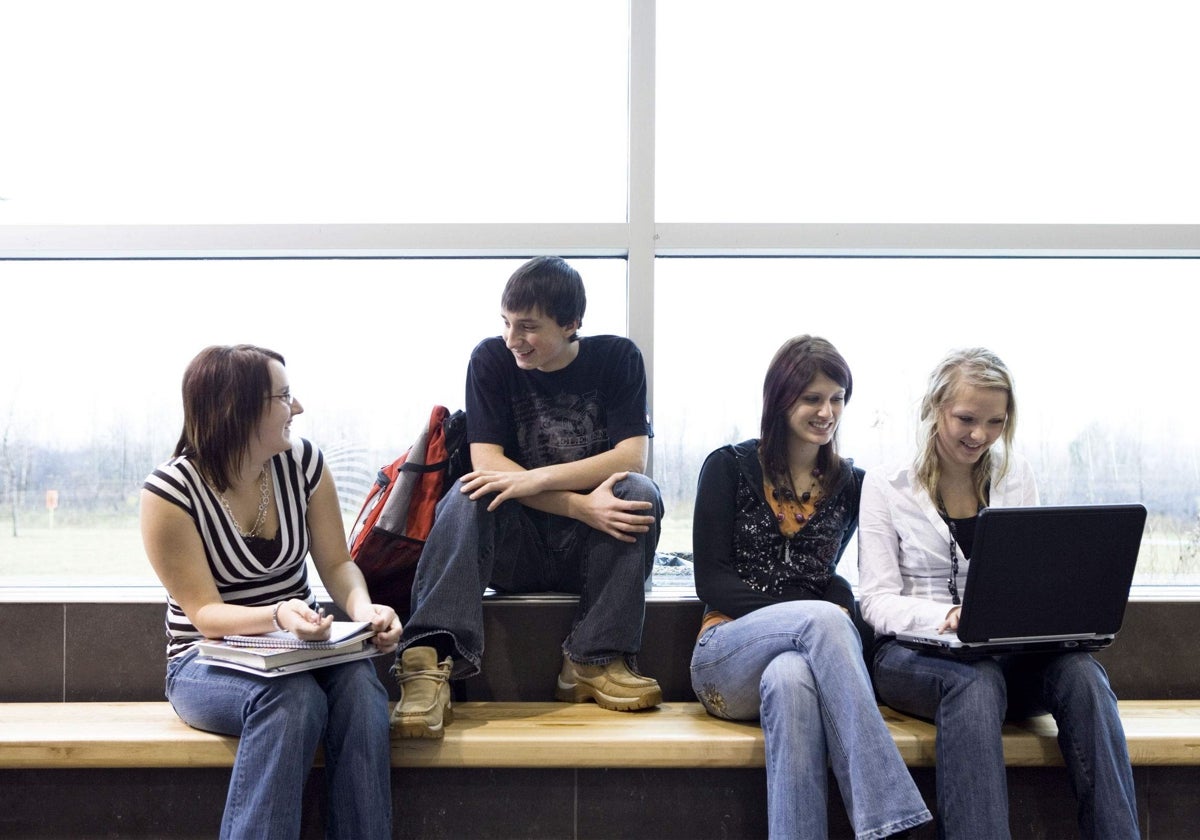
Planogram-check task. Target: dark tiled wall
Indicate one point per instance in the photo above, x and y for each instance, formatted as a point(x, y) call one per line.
point(31, 652)
point(116, 651)
point(82, 652)
point(531, 803)
point(93, 652)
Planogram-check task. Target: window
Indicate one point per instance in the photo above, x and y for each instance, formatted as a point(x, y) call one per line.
point(1104, 415)
point(1066, 112)
point(169, 179)
point(141, 112)
point(95, 353)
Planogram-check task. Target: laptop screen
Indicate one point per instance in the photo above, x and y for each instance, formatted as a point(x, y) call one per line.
point(1050, 571)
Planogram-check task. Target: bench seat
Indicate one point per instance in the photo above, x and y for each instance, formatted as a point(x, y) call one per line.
point(538, 735)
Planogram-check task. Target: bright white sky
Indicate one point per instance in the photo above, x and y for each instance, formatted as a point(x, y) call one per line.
point(282, 111)
point(149, 112)
point(372, 344)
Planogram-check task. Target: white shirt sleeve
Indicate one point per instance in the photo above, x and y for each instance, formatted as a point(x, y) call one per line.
point(888, 563)
point(904, 548)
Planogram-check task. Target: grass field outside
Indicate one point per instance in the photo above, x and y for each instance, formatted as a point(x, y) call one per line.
point(113, 556)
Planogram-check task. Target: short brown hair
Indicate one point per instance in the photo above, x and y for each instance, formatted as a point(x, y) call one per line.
point(549, 284)
point(223, 391)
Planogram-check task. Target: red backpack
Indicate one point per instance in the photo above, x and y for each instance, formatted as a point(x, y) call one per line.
point(397, 515)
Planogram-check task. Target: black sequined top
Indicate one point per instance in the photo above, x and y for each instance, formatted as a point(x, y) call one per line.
point(743, 562)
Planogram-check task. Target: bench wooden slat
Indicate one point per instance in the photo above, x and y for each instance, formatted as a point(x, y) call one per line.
point(1162, 732)
point(498, 734)
point(106, 735)
point(583, 735)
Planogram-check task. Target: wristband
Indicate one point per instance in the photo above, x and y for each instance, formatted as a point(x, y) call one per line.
point(275, 617)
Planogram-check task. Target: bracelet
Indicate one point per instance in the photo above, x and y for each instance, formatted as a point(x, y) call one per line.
point(275, 617)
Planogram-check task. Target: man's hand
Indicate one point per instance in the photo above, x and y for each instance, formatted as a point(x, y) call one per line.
point(506, 485)
point(616, 517)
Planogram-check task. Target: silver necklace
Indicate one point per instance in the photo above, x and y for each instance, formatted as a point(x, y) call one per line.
point(264, 501)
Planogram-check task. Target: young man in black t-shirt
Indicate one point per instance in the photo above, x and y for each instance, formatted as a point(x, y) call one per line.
point(557, 500)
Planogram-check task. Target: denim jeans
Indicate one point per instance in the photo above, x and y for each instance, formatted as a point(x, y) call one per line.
point(280, 721)
point(516, 549)
point(969, 701)
point(798, 667)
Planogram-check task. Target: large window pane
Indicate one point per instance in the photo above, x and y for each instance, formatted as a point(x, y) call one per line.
point(140, 111)
point(1100, 349)
point(1030, 112)
point(95, 351)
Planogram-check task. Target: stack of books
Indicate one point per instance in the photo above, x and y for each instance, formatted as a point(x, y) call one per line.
point(278, 653)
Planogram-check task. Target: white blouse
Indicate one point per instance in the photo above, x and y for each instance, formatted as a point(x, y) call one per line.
point(904, 547)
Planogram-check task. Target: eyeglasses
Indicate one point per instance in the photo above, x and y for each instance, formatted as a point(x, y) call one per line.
point(286, 398)
point(952, 581)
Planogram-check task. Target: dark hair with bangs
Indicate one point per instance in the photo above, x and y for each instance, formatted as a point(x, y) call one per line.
point(548, 284)
point(223, 392)
point(792, 370)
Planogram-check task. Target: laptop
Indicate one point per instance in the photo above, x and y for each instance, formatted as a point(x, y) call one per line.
point(1043, 580)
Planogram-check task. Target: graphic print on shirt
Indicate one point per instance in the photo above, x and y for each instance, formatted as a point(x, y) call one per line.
point(772, 563)
point(560, 429)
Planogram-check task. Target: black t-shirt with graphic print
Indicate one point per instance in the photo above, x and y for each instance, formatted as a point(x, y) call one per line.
point(559, 417)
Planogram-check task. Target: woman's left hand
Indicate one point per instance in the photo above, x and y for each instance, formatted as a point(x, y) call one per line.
point(386, 625)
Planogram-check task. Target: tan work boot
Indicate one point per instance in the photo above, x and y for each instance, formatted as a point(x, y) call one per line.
point(424, 706)
point(613, 686)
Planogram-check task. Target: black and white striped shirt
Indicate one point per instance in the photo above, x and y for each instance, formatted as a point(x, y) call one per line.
point(275, 574)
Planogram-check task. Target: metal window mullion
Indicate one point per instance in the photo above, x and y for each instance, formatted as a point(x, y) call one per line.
point(640, 291)
point(926, 240)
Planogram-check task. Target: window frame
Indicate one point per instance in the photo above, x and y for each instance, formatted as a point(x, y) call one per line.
point(641, 240)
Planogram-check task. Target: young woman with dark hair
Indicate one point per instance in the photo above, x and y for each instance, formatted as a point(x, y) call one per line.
point(777, 642)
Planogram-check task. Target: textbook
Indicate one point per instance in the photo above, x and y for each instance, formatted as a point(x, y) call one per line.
point(270, 652)
point(328, 658)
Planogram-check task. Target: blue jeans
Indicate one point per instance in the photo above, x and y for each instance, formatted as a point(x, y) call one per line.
point(280, 721)
point(969, 701)
point(798, 666)
point(516, 549)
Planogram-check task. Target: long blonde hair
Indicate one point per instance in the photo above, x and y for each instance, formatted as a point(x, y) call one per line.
point(981, 368)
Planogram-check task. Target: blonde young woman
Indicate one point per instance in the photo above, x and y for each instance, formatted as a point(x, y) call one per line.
point(916, 527)
point(777, 643)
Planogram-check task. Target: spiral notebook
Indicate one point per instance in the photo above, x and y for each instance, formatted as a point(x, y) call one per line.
point(1044, 579)
point(340, 633)
point(279, 653)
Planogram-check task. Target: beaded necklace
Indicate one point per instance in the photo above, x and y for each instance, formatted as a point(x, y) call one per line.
point(793, 513)
point(952, 581)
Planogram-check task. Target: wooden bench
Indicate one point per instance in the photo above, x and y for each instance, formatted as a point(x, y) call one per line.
point(538, 735)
